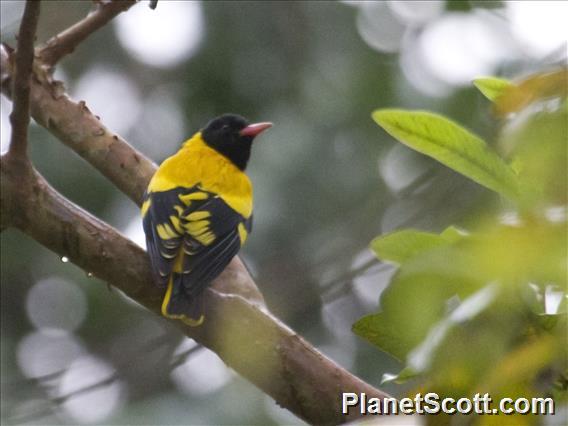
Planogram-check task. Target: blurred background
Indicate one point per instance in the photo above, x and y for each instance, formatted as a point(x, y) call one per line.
point(327, 180)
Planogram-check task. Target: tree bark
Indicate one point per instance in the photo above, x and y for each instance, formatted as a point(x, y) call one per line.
point(237, 327)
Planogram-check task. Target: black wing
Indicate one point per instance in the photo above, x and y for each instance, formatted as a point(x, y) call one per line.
point(198, 224)
point(158, 208)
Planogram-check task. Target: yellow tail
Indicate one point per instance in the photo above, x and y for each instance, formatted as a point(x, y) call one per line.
point(185, 319)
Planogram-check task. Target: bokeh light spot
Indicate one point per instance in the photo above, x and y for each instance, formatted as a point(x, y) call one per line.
point(163, 37)
point(99, 85)
point(135, 232)
point(160, 130)
point(99, 402)
point(39, 354)
point(5, 129)
point(203, 372)
point(416, 12)
point(56, 304)
point(540, 26)
point(401, 167)
point(379, 27)
point(457, 48)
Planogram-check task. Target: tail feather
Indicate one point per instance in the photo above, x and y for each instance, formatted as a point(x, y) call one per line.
point(178, 305)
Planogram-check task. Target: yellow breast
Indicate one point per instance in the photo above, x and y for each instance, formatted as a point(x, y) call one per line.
point(198, 164)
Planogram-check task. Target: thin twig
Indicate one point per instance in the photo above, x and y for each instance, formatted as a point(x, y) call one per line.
point(86, 389)
point(341, 289)
point(36, 380)
point(181, 358)
point(65, 42)
point(20, 117)
point(32, 416)
point(353, 273)
point(55, 402)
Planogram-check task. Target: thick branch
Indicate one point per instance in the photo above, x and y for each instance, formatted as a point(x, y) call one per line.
point(20, 116)
point(246, 337)
point(78, 128)
point(65, 42)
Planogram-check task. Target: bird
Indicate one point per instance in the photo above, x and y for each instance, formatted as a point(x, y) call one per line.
point(197, 213)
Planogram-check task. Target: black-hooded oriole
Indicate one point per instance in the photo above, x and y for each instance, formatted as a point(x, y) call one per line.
point(197, 212)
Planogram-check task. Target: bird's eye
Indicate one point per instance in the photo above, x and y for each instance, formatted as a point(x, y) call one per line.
point(225, 128)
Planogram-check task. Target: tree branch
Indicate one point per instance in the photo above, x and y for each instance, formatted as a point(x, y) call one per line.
point(65, 42)
point(74, 124)
point(240, 331)
point(20, 116)
point(245, 336)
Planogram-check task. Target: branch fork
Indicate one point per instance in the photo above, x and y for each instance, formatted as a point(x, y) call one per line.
point(239, 328)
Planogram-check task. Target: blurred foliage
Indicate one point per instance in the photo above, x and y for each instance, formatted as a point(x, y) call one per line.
point(485, 310)
point(491, 87)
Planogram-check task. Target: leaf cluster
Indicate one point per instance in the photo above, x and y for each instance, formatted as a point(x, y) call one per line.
point(485, 310)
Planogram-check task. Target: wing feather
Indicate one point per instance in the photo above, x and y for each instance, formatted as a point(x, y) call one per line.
point(200, 270)
point(197, 226)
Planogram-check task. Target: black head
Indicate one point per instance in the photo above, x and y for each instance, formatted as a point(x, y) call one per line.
point(232, 136)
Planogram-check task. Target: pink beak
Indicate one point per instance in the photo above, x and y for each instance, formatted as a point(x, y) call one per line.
point(254, 129)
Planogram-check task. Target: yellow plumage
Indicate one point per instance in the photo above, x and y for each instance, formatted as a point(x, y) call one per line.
point(196, 163)
point(197, 213)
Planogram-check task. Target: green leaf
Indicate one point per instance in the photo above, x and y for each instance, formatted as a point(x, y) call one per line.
point(517, 165)
point(543, 85)
point(421, 356)
point(450, 144)
point(403, 376)
point(385, 334)
point(492, 87)
point(401, 246)
point(452, 234)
